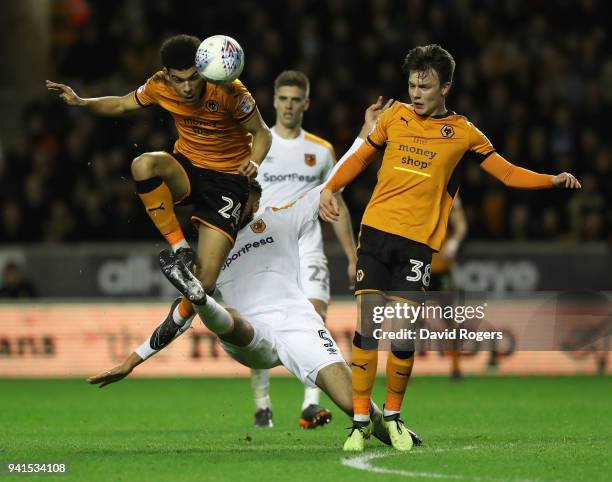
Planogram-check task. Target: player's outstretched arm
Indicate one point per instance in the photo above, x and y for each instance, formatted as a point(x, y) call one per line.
point(162, 336)
point(117, 373)
point(518, 177)
point(110, 106)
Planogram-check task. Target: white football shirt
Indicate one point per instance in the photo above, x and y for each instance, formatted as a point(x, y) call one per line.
point(261, 273)
point(293, 167)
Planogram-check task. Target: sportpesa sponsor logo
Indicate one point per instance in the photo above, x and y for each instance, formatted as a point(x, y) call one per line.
point(291, 177)
point(246, 248)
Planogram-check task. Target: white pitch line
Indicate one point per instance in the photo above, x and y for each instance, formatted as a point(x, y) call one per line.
point(363, 462)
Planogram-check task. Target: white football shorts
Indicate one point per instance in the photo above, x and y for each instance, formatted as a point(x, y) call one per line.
point(297, 340)
point(314, 278)
point(314, 273)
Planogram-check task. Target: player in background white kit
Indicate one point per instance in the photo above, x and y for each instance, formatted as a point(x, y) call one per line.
point(297, 162)
point(271, 322)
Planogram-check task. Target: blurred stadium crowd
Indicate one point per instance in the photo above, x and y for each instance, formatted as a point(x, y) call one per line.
point(535, 76)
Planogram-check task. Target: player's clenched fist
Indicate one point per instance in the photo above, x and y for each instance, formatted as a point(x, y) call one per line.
point(65, 93)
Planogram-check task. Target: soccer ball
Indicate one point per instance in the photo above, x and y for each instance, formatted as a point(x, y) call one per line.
point(220, 59)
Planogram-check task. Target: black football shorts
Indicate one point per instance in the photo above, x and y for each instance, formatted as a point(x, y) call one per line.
point(219, 198)
point(390, 263)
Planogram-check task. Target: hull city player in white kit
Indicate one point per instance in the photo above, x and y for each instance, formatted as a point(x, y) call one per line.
point(271, 321)
point(296, 163)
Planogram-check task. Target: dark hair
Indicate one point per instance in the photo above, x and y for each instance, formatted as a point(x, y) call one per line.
point(179, 52)
point(293, 78)
point(424, 58)
point(255, 187)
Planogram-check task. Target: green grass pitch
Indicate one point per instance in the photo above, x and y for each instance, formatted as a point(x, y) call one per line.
point(487, 428)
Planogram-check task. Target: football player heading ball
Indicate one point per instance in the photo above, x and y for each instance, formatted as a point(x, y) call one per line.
point(222, 140)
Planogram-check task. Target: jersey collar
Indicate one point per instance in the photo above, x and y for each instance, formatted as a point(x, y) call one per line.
point(442, 116)
point(282, 140)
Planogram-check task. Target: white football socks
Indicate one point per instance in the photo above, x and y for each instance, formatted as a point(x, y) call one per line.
point(216, 318)
point(181, 244)
point(312, 396)
point(375, 413)
point(359, 417)
point(260, 383)
point(145, 351)
point(177, 318)
point(389, 413)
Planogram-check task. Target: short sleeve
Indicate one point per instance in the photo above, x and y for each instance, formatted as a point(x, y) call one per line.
point(479, 144)
point(243, 104)
point(378, 136)
point(147, 93)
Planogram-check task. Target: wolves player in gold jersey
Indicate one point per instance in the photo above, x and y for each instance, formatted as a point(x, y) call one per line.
point(426, 147)
point(222, 140)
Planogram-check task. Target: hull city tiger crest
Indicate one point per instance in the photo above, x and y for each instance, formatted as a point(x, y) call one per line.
point(258, 226)
point(310, 159)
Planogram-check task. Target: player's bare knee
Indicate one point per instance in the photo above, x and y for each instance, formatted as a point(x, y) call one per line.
point(144, 166)
point(240, 324)
point(242, 332)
